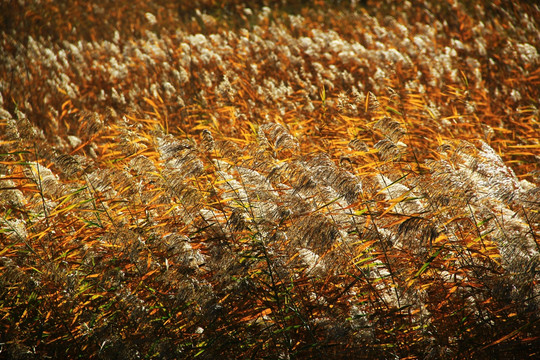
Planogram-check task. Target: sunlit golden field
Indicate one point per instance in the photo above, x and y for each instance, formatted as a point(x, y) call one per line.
point(269, 180)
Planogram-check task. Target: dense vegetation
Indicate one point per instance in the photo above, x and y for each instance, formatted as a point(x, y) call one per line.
point(251, 179)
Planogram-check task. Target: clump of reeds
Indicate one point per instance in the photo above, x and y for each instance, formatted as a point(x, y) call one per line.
point(291, 182)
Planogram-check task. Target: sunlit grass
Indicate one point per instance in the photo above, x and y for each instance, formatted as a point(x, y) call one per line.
point(228, 179)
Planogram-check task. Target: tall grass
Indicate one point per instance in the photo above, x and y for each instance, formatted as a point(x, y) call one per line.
point(237, 180)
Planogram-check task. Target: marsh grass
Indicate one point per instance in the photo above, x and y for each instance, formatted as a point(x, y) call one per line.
point(269, 182)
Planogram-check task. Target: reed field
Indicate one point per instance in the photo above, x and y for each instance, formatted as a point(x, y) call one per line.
point(269, 179)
